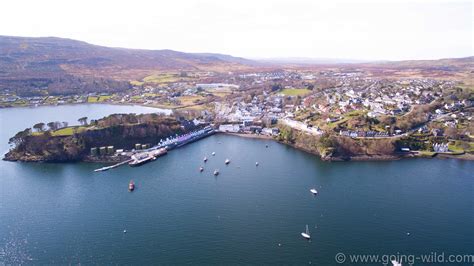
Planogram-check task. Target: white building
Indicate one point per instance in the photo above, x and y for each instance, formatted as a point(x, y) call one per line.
point(234, 128)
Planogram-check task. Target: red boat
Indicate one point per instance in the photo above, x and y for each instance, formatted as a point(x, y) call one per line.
point(131, 186)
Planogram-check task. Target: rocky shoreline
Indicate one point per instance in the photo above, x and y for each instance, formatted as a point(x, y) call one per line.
point(362, 157)
point(27, 157)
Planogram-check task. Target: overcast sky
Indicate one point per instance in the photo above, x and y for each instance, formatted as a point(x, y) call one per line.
point(255, 28)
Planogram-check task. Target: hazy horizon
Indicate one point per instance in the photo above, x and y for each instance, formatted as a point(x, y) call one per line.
point(357, 30)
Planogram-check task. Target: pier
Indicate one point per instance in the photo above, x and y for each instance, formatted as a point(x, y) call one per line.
point(138, 158)
point(105, 168)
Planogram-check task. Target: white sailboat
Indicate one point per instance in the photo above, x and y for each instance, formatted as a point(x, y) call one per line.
point(314, 191)
point(227, 161)
point(306, 234)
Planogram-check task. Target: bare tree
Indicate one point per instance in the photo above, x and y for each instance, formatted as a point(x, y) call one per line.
point(83, 120)
point(39, 127)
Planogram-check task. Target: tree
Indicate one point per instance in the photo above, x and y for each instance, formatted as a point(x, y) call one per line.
point(39, 127)
point(277, 87)
point(83, 120)
point(51, 126)
point(19, 137)
point(65, 124)
point(286, 134)
point(381, 146)
point(54, 125)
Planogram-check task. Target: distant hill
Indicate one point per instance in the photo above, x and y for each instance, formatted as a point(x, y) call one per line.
point(34, 66)
point(309, 61)
point(27, 63)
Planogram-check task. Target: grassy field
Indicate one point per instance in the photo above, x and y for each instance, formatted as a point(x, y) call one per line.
point(461, 146)
point(332, 125)
point(136, 83)
point(162, 78)
point(189, 100)
point(92, 99)
point(152, 95)
point(295, 92)
point(221, 93)
point(68, 131)
point(346, 118)
point(96, 99)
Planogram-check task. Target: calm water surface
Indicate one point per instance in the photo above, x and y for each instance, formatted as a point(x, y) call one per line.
point(66, 213)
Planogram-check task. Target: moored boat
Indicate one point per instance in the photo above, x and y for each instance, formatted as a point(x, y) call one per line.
point(314, 191)
point(227, 161)
point(201, 169)
point(216, 172)
point(306, 233)
point(131, 186)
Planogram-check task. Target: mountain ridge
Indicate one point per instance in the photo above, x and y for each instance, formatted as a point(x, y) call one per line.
point(60, 65)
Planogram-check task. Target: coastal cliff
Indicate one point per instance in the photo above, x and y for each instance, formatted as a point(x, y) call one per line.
point(74, 143)
point(338, 148)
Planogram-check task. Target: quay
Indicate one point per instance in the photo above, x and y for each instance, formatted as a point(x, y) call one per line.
point(151, 154)
point(105, 168)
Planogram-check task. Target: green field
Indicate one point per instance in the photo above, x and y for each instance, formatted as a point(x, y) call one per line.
point(461, 146)
point(295, 92)
point(136, 83)
point(96, 99)
point(68, 131)
point(161, 78)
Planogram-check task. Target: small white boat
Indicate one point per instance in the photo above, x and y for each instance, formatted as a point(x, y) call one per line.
point(201, 169)
point(213, 153)
point(227, 161)
point(314, 191)
point(205, 159)
point(306, 233)
point(131, 186)
point(256, 163)
point(216, 172)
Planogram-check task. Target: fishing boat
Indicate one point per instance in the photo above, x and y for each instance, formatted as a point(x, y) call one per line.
point(213, 153)
point(216, 172)
point(314, 191)
point(131, 186)
point(201, 169)
point(306, 234)
point(256, 163)
point(205, 159)
point(227, 161)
